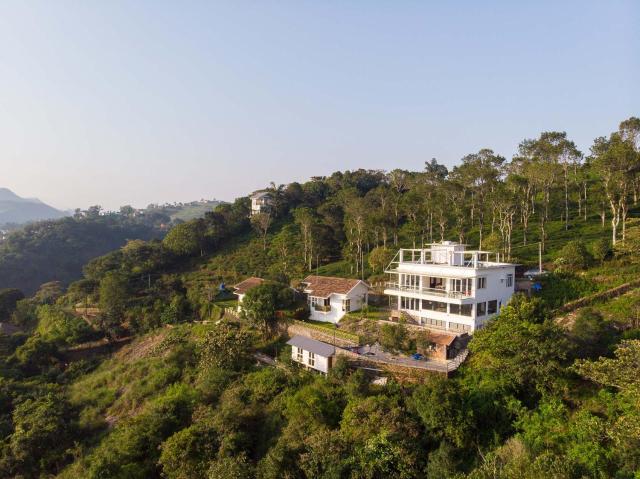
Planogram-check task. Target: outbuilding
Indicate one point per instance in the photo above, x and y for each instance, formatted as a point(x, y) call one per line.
point(312, 354)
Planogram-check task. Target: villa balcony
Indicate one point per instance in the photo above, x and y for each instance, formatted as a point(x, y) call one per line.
point(442, 293)
point(322, 308)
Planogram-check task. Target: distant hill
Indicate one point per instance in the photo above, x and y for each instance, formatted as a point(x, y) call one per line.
point(185, 211)
point(17, 210)
point(56, 250)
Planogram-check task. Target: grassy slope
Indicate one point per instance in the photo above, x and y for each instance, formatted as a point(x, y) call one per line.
point(191, 212)
point(123, 385)
point(242, 257)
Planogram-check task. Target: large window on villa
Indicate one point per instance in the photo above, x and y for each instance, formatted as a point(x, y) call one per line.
point(436, 283)
point(411, 304)
point(312, 359)
point(509, 280)
point(482, 282)
point(299, 354)
point(481, 309)
point(461, 285)
point(492, 306)
point(411, 281)
point(461, 309)
point(436, 323)
point(434, 306)
point(459, 327)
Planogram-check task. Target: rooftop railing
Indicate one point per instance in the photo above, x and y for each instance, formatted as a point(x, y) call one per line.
point(446, 257)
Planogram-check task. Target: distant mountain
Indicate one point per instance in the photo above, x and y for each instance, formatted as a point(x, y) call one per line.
point(17, 210)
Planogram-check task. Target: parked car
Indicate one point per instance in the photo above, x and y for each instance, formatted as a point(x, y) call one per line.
point(417, 356)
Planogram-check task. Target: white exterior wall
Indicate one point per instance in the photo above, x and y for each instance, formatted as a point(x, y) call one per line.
point(240, 298)
point(321, 362)
point(260, 204)
point(358, 297)
point(496, 289)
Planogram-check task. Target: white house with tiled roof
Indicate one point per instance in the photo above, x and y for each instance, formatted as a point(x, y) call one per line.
point(330, 298)
point(241, 288)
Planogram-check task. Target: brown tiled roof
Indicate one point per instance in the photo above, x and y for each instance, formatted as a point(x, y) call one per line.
point(247, 284)
point(442, 339)
point(324, 286)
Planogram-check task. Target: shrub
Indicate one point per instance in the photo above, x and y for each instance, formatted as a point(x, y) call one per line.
point(573, 256)
point(601, 249)
point(394, 337)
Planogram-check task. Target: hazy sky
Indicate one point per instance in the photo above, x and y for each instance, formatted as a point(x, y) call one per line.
point(108, 102)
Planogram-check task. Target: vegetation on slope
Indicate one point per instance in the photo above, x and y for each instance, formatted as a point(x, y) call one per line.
point(186, 399)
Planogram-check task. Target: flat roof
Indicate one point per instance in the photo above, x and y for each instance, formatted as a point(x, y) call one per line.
point(312, 345)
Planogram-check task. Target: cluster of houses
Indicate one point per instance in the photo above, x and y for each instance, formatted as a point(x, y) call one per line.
point(444, 289)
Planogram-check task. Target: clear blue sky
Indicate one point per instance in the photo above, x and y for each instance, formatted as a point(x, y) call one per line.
point(113, 102)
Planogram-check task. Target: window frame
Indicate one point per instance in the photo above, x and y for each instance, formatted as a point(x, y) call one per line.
point(346, 305)
point(495, 306)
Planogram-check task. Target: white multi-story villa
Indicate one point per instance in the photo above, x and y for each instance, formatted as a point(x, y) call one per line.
point(448, 288)
point(261, 202)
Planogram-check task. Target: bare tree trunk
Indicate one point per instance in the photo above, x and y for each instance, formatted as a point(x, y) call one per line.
point(585, 200)
point(625, 210)
point(566, 201)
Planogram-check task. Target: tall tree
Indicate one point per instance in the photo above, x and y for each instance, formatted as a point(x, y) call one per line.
point(262, 222)
point(480, 172)
point(615, 160)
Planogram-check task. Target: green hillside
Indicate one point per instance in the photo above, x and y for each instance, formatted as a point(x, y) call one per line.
point(139, 370)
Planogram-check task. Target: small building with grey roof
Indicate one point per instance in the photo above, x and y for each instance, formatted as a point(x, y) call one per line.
point(312, 354)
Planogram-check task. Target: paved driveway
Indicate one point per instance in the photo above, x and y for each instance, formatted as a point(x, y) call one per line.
point(376, 353)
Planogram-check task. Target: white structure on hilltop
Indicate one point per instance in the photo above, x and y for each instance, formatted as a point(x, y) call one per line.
point(261, 202)
point(330, 298)
point(312, 354)
point(448, 288)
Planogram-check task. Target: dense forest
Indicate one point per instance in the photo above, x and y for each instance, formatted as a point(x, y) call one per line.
point(56, 250)
point(540, 395)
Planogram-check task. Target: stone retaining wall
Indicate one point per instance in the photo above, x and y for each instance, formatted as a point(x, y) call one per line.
point(300, 330)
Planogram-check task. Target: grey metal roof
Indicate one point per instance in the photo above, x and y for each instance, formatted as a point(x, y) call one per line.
point(316, 347)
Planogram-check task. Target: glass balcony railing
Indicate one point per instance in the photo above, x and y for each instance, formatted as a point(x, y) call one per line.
point(443, 293)
point(322, 308)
